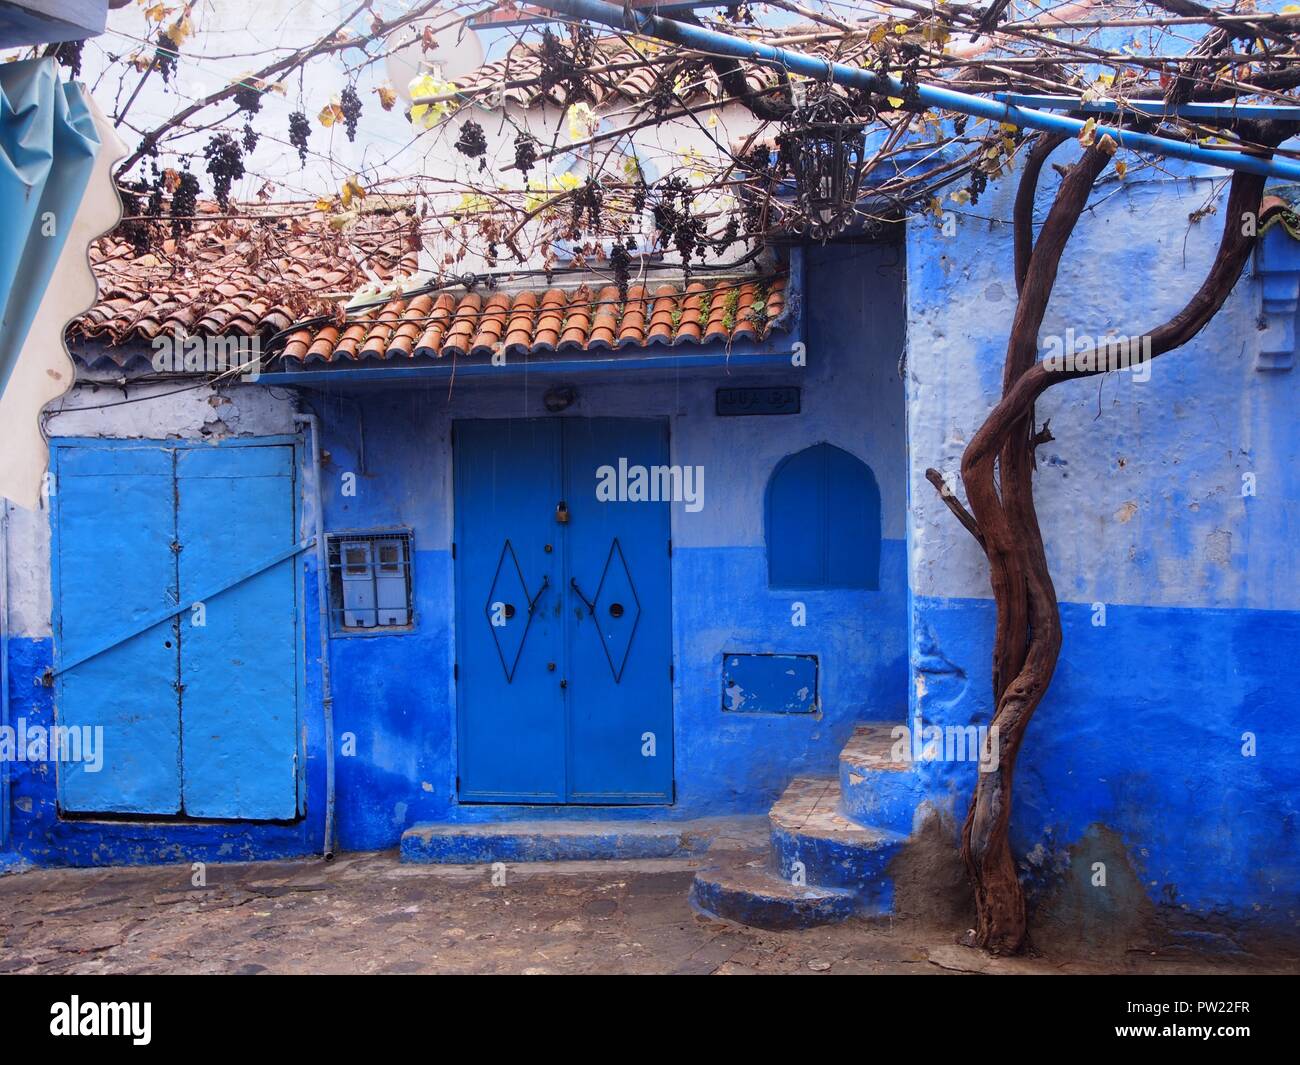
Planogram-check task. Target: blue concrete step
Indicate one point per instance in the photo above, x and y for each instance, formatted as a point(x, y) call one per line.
point(743, 888)
point(12, 863)
point(821, 866)
point(810, 833)
point(875, 789)
point(556, 841)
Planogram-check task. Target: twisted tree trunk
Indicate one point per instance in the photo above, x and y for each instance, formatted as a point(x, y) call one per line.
point(997, 471)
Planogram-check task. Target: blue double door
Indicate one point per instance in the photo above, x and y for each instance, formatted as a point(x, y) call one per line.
point(564, 657)
point(198, 711)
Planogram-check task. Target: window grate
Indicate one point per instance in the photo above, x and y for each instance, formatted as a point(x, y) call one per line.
point(370, 581)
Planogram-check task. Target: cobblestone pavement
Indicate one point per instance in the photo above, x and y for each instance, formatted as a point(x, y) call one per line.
point(369, 914)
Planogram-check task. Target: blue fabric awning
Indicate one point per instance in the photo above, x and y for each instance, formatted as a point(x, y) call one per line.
point(48, 144)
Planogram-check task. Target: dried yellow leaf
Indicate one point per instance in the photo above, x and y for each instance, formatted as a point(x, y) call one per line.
point(179, 30)
point(352, 189)
point(329, 114)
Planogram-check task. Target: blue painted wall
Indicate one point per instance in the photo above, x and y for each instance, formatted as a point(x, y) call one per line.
point(1141, 502)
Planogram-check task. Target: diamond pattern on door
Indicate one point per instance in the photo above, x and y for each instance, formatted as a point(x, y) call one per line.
point(509, 610)
point(616, 610)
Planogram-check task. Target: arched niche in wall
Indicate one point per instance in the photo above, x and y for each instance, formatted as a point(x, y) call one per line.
point(822, 521)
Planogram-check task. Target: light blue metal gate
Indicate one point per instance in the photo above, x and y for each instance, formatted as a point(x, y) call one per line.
point(176, 627)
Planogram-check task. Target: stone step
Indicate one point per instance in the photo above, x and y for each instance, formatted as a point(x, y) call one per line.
point(557, 841)
point(874, 788)
point(809, 827)
point(12, 863)
point(743, 888)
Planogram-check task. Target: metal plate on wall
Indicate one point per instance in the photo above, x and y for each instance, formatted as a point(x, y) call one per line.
point(769, 684)
point(731, 402)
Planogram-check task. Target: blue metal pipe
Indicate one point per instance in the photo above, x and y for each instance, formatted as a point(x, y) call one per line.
point(1155, 108)
point(931, 95)
point(312, 424)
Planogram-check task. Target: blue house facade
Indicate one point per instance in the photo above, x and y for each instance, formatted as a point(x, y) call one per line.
point(661, 602)
point(548, 571)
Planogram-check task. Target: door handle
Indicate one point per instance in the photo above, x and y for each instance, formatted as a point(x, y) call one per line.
point(546, 583)
point(591, 607)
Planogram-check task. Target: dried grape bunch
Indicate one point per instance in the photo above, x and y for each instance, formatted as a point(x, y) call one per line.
point(249, 138)
point(674, 219)
point(248, 98)
point(164, 57)
point(565, 67)
point(225, 165)
point(757, 162)
point(69, 54)
point(299, 131)
point(134, 230)
point(525, 152)
point(185, 202)
point(153, 206)
point(620, 261)
point(472, 142)
point(729, 236)
point(350, 105)
point(910, 58)
point(663, 95)
point(588, 199)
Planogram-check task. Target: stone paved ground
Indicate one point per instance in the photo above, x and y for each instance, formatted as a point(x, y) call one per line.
point(369, 914)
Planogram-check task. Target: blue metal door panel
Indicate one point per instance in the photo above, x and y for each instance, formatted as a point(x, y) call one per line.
point(238, 669)
point(509, 652)
point(618, 618)
point(560, 705)
point(116, 567)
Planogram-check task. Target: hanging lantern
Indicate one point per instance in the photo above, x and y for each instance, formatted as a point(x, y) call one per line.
point(824, 146)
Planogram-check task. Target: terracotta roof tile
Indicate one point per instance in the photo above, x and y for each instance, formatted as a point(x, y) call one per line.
point(577, 320)
point(550, 320)
point(543, 322)
point(258, 276)
point(492, 324)
point(688, 323)
point(519, 329)
point(254, 274)
point(631, 330)
point(661, 318)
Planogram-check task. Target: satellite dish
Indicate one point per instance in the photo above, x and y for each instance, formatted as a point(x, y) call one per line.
point(456, 51)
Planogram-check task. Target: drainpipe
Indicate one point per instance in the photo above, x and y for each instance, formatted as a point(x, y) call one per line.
point(322, 604)
point(936, 96)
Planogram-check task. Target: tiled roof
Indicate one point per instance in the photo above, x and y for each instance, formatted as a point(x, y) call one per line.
point(553, 320)
point(244, 276)
point(633, 81)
